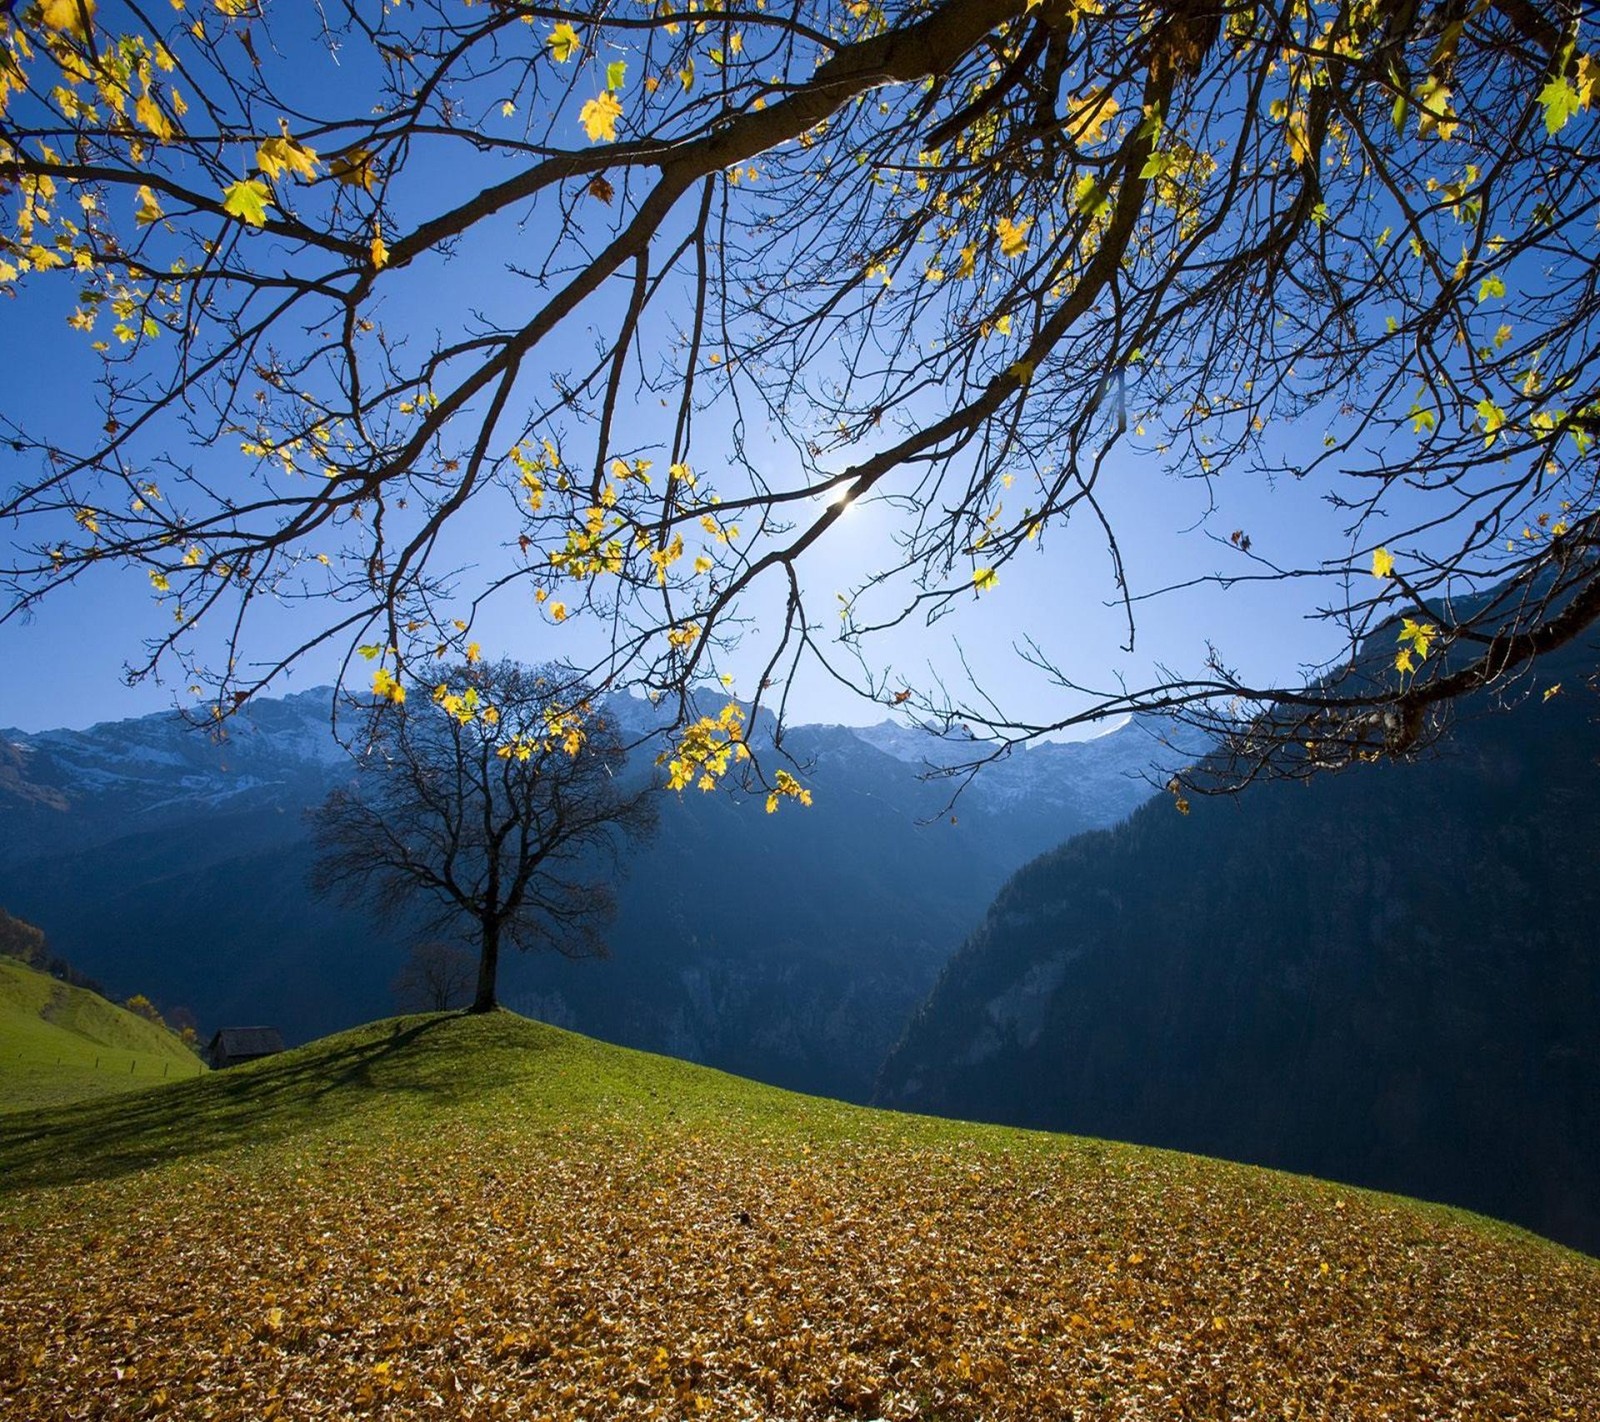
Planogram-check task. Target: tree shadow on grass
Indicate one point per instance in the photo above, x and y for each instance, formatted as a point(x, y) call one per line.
point(275, 1099)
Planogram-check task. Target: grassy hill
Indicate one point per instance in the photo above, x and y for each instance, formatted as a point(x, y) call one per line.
point(489, 1218)
point(59, 1044)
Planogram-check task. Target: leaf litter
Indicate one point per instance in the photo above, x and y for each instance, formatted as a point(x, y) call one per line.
point(625, 1265)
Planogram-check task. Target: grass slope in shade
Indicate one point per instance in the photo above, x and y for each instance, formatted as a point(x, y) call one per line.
point(488, 1218)
point(59, 1043)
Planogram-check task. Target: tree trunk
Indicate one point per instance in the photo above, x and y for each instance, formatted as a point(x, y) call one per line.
point(488, 966)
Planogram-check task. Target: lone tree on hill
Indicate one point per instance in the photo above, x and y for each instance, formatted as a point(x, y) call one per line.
point(494, 805)
point(962, 258)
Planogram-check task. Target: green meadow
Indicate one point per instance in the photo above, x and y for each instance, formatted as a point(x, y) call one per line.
point(486, 1217)
point(60, 1044)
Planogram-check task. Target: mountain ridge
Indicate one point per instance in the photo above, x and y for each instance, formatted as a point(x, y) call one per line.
point(790, 947)
point(1384, 976)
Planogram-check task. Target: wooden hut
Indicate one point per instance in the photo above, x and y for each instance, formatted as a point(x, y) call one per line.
point(233, 1045)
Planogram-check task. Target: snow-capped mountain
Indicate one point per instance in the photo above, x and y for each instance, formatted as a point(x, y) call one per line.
point(155, 765)
point(173, 859)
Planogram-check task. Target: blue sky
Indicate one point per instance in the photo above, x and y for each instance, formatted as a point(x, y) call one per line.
point(66, 661)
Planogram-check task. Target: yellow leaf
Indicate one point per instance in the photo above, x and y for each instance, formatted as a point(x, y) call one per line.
point(247, 200)
point(385, 686)
point(1087, 117)
point(1013, 236)
point(984, 578)
point(354, 169)
point(564, 43)
point(276, 156)
point(1435, 115)
point(75, 17)
point(146, 209)
point(1299, 142)
point(148, 115)
point(159, 581)
point(379, 249)
point(785, 786)
point(474, 652)
point(1382, 563)
point(599, 117)
point(1419, 634)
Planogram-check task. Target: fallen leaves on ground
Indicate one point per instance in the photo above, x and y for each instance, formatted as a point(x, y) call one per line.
point(613, 1271)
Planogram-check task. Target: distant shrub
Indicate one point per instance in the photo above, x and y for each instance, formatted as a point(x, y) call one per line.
point(141, 1006)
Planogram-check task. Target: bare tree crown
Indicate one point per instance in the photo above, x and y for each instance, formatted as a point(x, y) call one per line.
point(491, 808)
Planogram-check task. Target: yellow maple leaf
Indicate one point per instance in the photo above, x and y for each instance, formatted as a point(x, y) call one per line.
point(148, 114)
point(599, 117)
point(1087, 117)
point(247, 200)
point(385, 686)
point(984, 578)
point(379, 249)
point(146, 209)
point(1382, 563)
point(1013, 236)
point(1435, 115)
point(276, 156)
point(1420, 633)
point(564, 43)
point(74, 17)
point(1299, 140)
point(354, 169)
